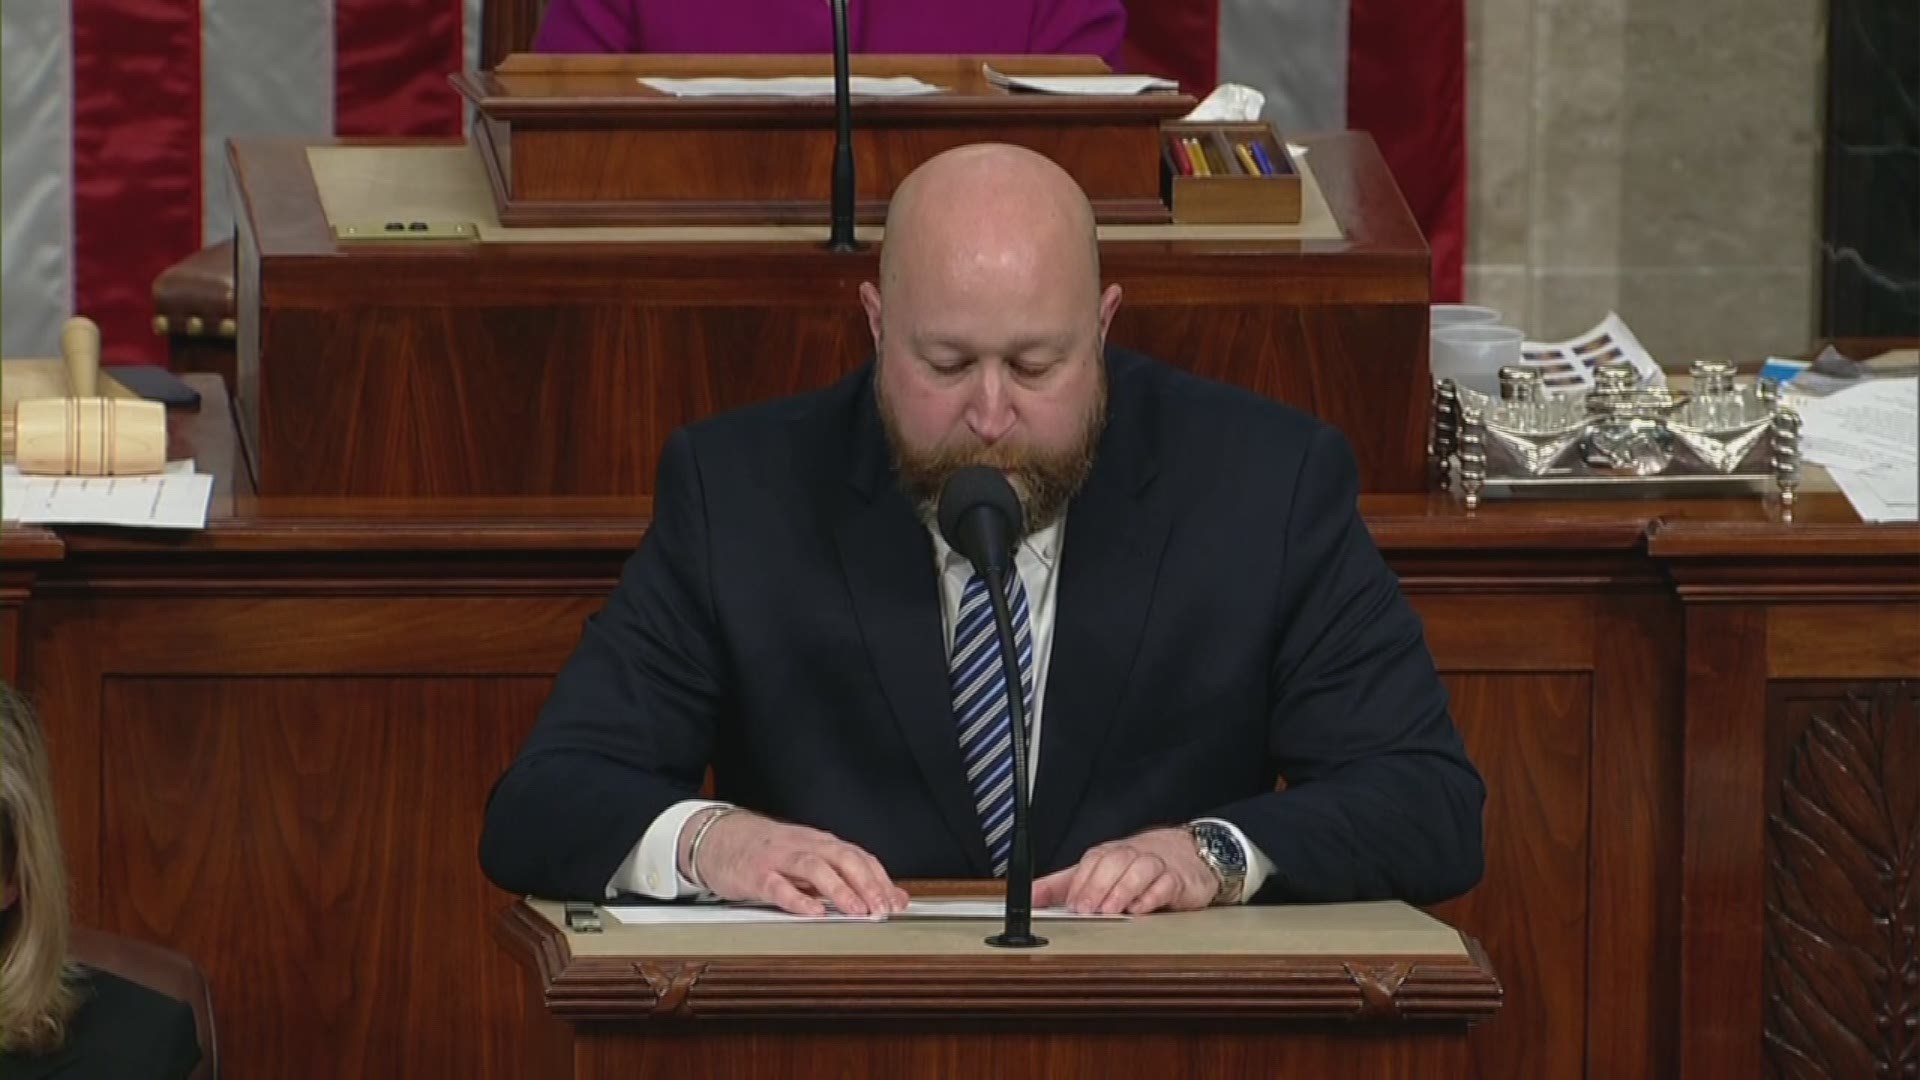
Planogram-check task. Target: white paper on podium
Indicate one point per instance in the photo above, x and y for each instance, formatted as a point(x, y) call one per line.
point(1868, 437)
point(1871, 424)
point(995, 910)
point(1078, 84)
point(720, 914)
point(175, 499)
point(796, 86)
point(1887, 493)
point(717, 914)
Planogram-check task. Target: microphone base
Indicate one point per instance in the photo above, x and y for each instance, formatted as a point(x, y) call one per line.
point(1016, 941)
point(844, 246)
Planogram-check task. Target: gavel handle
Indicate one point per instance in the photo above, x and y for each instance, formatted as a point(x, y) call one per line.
point(80, 345)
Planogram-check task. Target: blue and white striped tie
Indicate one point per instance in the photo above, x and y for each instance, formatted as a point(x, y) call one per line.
point(980, 707)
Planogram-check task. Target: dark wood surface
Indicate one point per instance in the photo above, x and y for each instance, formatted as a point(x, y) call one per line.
point(508, 27)
point(1720, 841)
point(316, 830)
point(1185, 1052)
point(1639, 675)
point(1531, 736)
point(272, 740)
point(446, 372)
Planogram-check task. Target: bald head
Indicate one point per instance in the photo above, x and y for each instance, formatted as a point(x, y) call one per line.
point(995, 207)
point(989, 322)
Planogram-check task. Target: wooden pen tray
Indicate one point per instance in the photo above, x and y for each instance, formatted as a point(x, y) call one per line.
point(1230, 193)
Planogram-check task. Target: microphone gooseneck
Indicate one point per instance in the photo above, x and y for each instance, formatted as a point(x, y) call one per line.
point(840, 234)
point(980, 517)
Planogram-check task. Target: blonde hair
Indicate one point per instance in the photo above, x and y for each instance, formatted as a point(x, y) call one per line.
point(37, 989)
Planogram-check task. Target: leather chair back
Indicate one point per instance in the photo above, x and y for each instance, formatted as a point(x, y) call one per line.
point(164, 972)
point(508, 27)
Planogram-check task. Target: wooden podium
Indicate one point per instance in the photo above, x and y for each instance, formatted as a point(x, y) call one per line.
point(545, 362)
point(580, 140)
point(1367, 991)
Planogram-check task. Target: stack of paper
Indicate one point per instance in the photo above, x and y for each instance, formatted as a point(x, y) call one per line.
point(791, 86)
point(1096, 85)
point(1865, 435)
point(711, 914)
point(175, 499)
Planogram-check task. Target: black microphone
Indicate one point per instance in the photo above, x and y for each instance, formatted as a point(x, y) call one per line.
point(840, 235)
point(980, 517)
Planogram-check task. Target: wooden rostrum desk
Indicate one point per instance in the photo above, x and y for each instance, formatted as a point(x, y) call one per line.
point(272, 741)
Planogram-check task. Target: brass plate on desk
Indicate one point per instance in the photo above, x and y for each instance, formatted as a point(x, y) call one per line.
point(405, 232)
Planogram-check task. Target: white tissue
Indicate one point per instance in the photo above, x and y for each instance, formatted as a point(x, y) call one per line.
point(1230, 101)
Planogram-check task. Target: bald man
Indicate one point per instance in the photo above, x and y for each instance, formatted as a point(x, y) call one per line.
point(1229, 699)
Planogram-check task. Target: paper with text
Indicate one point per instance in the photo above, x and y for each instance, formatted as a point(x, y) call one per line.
point(175, 499)
point(1866, 436)
point(1877, 420)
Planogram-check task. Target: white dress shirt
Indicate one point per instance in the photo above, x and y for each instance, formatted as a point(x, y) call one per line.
point(652, 868)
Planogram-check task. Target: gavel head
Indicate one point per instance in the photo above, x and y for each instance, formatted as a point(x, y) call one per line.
point(90, 437)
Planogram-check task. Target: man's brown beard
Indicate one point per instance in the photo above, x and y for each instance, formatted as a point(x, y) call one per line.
point(1045, 481)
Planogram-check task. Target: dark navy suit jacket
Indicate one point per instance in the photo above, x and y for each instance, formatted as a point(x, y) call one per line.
point(1223, 621)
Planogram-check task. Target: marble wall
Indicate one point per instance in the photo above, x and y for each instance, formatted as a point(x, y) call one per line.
point(1659, 158)
point(1871, 250)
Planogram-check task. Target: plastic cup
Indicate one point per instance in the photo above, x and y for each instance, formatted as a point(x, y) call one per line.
point(1439, 315)
point(1473, 354)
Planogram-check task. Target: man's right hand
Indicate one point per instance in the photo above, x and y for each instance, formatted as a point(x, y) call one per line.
point(745, 856)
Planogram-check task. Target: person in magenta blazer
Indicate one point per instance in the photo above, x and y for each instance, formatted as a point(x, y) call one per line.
point(1089, 27)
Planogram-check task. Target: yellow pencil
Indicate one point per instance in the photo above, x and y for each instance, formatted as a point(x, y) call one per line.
point(1246, 159)
point(1201, 166)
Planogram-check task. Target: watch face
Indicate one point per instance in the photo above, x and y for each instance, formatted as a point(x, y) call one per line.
point(1221, 845)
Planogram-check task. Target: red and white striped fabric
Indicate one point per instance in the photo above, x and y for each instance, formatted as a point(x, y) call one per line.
point(116, 112)
point(115, 115)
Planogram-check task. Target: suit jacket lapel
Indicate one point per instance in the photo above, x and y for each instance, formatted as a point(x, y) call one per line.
point(1115, 536)
point(887, 557)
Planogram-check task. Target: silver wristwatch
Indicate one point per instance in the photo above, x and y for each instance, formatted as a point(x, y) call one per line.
point(1220, 850)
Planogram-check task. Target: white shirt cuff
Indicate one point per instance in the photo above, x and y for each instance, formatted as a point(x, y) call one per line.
point(652, 868)
point(1258, 865)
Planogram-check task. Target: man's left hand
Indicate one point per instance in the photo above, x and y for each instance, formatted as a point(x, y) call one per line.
point(1157, 870)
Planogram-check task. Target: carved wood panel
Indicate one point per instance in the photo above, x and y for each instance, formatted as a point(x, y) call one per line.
point(1842, 930)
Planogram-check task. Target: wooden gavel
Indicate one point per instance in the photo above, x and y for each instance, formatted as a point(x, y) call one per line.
point(85, 434)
